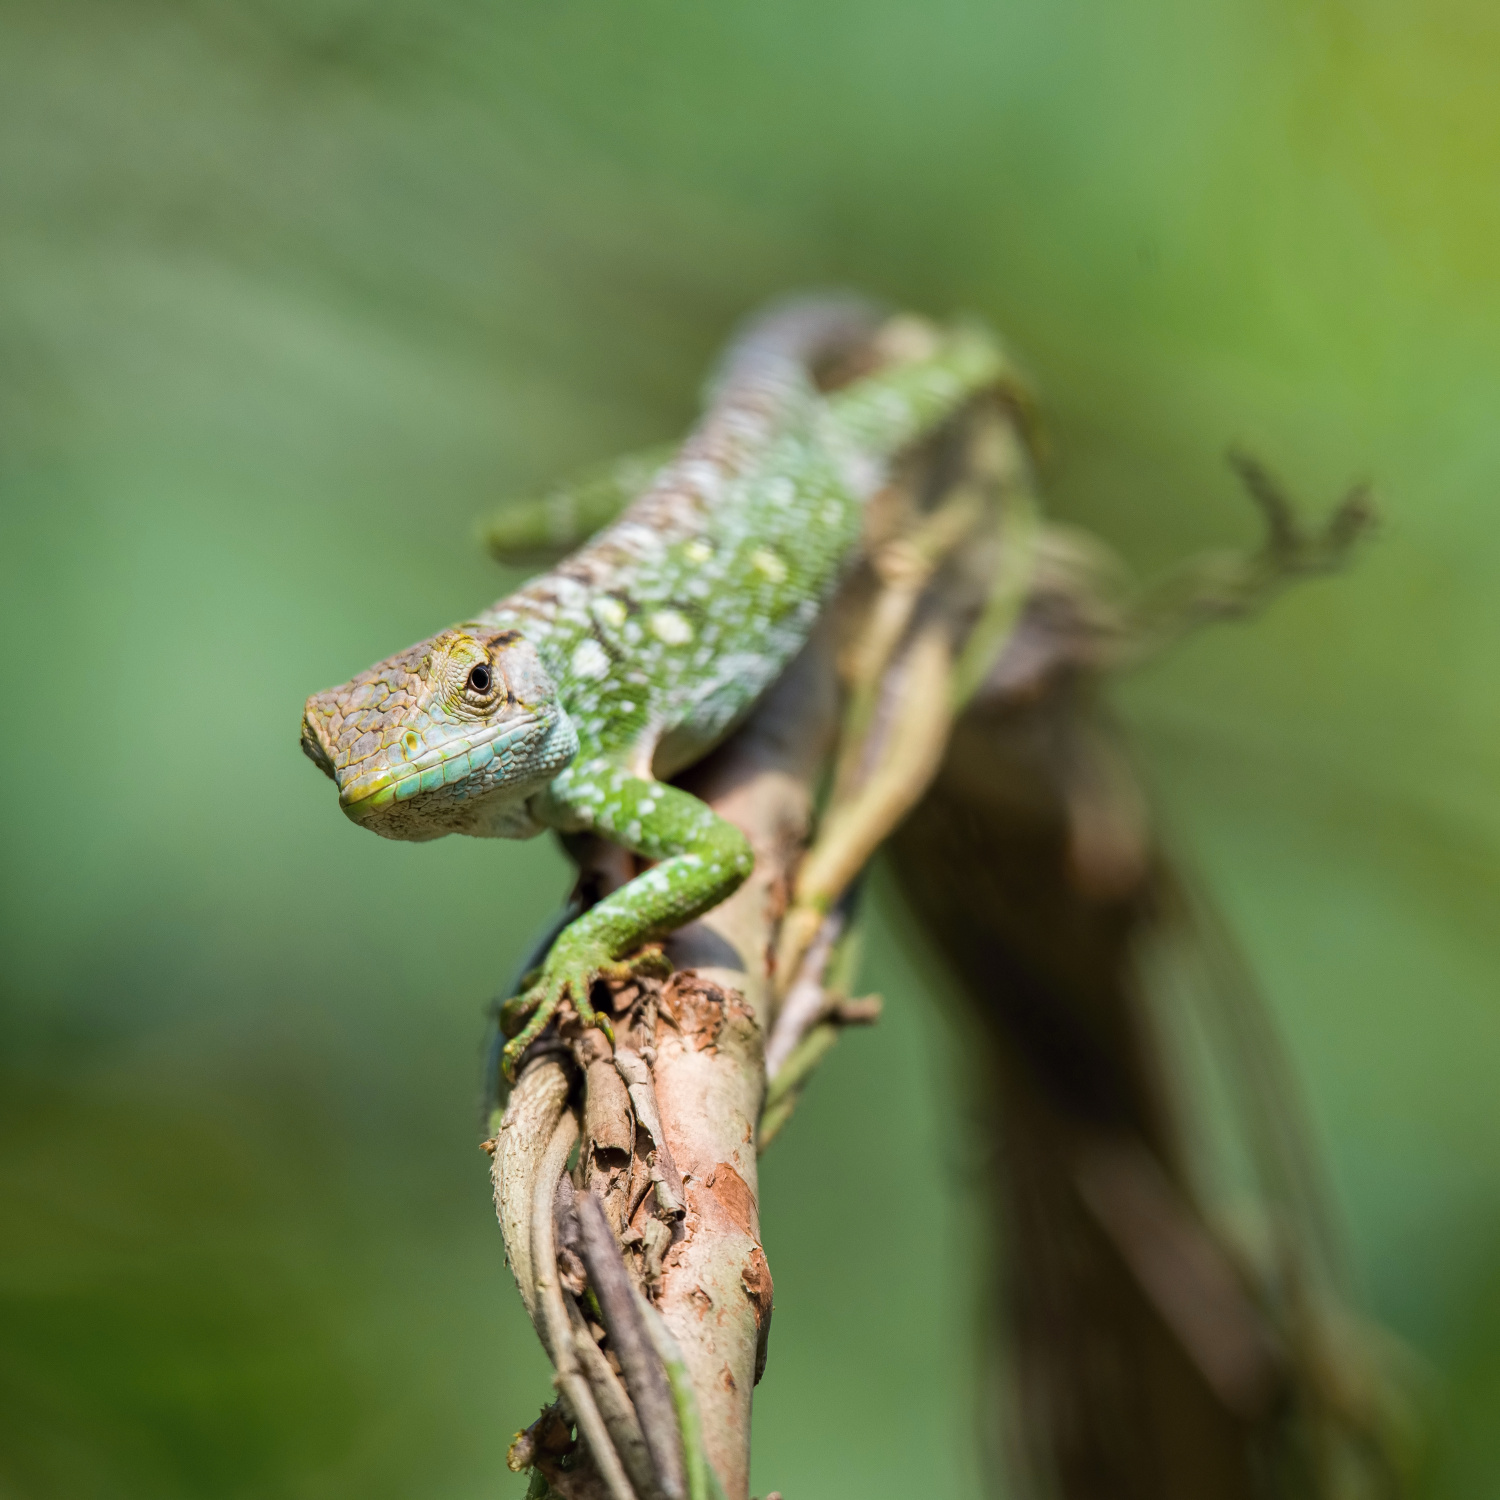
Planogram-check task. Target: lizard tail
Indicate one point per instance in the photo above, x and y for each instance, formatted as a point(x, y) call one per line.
point(767, 378)
point(804, 333)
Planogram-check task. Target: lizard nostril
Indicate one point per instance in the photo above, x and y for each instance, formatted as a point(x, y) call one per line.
point(479, 679)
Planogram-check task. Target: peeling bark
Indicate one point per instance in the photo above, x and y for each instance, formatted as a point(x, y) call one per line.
point(669, 1116)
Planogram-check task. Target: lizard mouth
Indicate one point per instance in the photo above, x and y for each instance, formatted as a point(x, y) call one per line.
point(442, 765)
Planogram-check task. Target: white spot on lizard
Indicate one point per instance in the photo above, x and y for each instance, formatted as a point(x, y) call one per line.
point(590, 661)
point(769, 564)
point(609, 612)
point(669, 626)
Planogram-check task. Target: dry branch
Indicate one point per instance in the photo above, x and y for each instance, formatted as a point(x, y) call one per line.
point(667, 1167)
point(955, 677)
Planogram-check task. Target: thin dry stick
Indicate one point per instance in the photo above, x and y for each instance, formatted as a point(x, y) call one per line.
point(852, 832)
point(904, 565)
point(558, 1335)
point(536, 1103)
point(925, 646)
point(644, 1375)
point(702, 1482)
point(614, 1405)
point(806, 999)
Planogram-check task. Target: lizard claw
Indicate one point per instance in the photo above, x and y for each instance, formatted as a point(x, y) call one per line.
point(542, 1003)
point(573, 979)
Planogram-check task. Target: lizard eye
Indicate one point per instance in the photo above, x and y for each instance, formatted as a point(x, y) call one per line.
point(479, 679)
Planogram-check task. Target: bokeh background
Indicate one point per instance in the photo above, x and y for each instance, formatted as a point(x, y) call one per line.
point(290, 291)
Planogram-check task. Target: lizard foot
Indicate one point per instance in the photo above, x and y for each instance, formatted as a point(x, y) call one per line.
point(649, 963)
point(573, 978)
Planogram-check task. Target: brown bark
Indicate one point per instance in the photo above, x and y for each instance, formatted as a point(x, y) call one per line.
point(669, 1118)
point(716, 1287)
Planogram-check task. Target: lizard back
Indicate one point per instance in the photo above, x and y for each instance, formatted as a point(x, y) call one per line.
point(641, 651)
point(671, 623)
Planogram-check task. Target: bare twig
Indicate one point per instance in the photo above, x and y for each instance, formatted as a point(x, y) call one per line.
point(1185, 1272)
point(853, 830)
point(1231, 585)
point(615, 1406)
point(703, 1483)
point(806, 998)
point(550, 1435)
point(645, 1378)
point(554, 1321)
point(531, 1117)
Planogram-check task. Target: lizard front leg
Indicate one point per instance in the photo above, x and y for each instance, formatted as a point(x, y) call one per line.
point(699, 857)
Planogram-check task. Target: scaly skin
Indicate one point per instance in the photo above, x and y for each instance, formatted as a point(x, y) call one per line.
point(561, 705)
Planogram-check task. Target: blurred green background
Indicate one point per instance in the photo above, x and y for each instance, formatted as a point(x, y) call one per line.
point(291, 290)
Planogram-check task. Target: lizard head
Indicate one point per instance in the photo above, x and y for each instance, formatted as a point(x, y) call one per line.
point(450, 736)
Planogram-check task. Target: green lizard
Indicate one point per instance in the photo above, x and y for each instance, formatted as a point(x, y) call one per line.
point(569, 704)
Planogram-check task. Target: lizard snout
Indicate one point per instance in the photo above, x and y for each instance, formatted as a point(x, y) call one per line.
point(314, 747)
